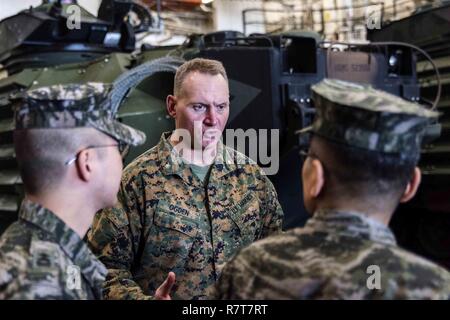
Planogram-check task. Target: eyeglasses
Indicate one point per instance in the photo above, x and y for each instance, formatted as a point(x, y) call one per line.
point(122, 146)
point(305, 154)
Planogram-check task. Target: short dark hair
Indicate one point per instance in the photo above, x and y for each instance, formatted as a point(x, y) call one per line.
point(41, 154)
point(363, 172)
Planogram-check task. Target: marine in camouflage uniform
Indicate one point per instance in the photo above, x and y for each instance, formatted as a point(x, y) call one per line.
point(339, 254)
point(40, 256)
point(168, 220)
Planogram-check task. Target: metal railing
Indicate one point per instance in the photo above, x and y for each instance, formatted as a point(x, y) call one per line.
point(314, 18)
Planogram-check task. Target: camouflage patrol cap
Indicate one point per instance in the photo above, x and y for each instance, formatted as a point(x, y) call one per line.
point(72, 106)
point(360, 116)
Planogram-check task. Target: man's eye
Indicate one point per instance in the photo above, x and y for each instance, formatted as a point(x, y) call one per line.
point(199, 107)
point(221, 107)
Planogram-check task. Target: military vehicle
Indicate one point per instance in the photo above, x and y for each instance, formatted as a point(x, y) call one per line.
point(270, 78)
point(423, 225)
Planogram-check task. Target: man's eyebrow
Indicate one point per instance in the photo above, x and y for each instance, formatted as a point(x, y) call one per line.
point(202, 103)
point(207, 104)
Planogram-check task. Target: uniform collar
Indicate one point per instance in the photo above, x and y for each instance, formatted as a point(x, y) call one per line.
point(353, 224)
point(69, 241)
point(172, 164)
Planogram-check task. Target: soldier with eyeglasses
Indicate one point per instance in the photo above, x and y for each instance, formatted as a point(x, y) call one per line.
point(68, 147)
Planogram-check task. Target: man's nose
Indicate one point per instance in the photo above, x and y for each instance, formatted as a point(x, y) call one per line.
point(211, 116)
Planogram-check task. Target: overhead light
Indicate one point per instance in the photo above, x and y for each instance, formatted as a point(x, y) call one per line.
point(207, 1)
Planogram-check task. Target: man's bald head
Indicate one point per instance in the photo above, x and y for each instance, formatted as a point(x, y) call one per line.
point(205, 66)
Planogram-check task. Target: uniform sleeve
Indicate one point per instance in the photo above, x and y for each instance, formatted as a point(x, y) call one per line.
point(11, 284)
point(16, 290)
point(226, 287)
point(273, 213)
point(21, 281)
point(240, 279)
point(114, 239)
point(32, 289)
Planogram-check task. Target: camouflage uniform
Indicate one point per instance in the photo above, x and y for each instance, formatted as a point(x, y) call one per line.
point(167, 220)
point(329, 259)
point(40, 256)
point(73, 106)
point(337, 252)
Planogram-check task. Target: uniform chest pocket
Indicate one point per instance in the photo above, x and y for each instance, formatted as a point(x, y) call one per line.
point(166, 219)
point(246, 214)
point(173, 240)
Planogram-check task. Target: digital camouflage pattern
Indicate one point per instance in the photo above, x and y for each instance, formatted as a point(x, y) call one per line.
point(329, 259)
point(361, 116)
point(168, 220)
point(42, 258)
point(336, 254)
point(72, 106)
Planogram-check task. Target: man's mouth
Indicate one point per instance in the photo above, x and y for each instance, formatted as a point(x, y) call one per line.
point(210, 135)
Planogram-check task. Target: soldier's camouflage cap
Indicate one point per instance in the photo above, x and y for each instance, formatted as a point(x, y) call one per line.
point(358, 115)
point(72, 106)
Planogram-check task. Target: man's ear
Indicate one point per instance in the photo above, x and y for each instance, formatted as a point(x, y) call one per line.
point(412, 186)
point(317, 178)
point(84, 164)
point(171, 101)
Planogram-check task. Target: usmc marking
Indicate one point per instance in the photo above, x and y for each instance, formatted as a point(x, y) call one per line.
point(241, 204)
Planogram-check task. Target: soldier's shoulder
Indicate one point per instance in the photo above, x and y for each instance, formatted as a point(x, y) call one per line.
point(238, 157)
point(420, 265)
point(280, 244)
point(297, 245)
point(274, 260)
point(14, 265)
point(239, 160)
point(27, 258)
point(403, 274)
point(30, 243)
point(148, 162)
point(17, 237)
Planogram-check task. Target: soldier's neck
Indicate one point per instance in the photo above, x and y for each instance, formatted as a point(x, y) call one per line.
point(382, 215)
point(75, 214)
